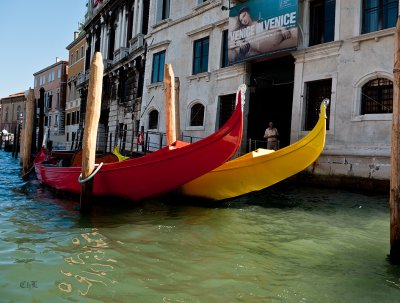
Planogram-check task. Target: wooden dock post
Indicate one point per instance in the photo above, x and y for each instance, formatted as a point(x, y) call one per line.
point(14, 146)
point(177, 116)
point(170, 104)
point(92, 118)
point(28, 130)
point(395, 163)
point(41, 119)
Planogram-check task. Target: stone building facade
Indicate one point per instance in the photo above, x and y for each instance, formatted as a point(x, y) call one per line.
point(76, 70)
point(116, 28)
point(344, 52)
point(207, 92)
point(12, 111)
point(355, 65)
point(52, 81)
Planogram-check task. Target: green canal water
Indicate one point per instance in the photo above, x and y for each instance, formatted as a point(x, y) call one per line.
point(283, 244)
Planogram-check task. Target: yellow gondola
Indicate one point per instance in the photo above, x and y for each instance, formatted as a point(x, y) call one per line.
point(260, 168)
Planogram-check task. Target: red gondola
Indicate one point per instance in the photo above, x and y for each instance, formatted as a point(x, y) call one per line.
point(156, 173)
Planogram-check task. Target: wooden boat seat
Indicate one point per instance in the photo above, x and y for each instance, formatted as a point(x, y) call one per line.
point(107, 158)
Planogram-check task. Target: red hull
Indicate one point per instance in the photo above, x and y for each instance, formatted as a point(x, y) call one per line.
point(158, 172)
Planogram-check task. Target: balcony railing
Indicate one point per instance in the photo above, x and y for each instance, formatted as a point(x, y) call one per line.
point(107, 63)
point(82, 78)
point(120, 53)
point(136, 42)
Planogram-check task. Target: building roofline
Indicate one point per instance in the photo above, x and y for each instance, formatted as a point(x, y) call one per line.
point(51, 66)
point(17, 94)
point(13, 96)
point(82, 35)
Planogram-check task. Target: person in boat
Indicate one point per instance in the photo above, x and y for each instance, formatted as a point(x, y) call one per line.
point(271, 134)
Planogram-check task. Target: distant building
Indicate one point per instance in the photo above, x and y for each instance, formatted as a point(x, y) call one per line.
point(12, 111)
point(52, 80)
point(76, 70)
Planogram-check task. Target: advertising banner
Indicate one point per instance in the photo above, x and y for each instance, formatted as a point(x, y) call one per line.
point(262, 27)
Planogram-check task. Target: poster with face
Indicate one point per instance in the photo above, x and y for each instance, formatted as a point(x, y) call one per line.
point(262, 27)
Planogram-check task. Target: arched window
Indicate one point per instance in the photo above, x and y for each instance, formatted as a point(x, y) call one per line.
point(377, 97)
point(153, 119)
point(197, 115)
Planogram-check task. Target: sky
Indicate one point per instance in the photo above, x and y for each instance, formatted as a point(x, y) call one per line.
point(32, 34)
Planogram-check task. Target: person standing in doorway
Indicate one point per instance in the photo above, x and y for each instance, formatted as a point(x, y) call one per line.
point(271, 134)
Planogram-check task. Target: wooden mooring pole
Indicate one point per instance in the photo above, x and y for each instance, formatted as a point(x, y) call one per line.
point(92, 118)
point(28, 131)
point(170, 104)
point(395, 163)
point(41, 119)
point(177, 116)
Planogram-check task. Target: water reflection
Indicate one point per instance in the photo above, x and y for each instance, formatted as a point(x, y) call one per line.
point(284, 244)
point(89, 266)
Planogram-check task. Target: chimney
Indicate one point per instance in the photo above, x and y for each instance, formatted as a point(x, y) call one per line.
point(76, 35)
point(57, 59)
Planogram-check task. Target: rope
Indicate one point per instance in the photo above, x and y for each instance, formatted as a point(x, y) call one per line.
point(91, 175)
point(27, 173)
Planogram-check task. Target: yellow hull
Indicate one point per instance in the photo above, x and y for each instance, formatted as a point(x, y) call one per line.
point(260, 168)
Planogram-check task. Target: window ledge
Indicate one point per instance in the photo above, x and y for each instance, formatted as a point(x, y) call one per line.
point(155, 86)
point(199, 128)
point(317, 52)
point(371, 36)
point(161, 23)
point(199, 76)
point(201, 30)
point(230, 71)
point(162, 44)
point(372, 117)
point(206, 5)
point(201, 5)
point(304, 133)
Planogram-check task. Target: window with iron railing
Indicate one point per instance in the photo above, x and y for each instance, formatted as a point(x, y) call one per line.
point(153, 119)
point(377, 97)
point(316, 91)
point(226, 108)
point(197, 115)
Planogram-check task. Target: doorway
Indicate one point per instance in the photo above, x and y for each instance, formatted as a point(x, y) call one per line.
point(271, 99)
